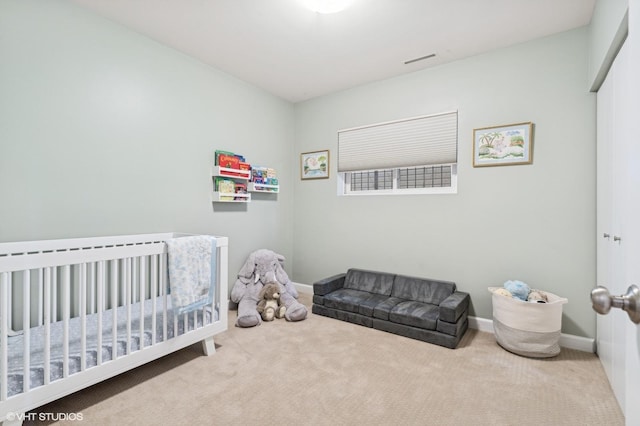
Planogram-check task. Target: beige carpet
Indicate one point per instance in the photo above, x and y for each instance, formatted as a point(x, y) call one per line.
point(323, 371)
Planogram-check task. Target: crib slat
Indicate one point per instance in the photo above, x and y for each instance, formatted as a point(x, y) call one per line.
point(122, 281)
point(5, 283)
point(175, 324)
point(74, 290)
point(40, 296)
point(91, 290)
point(128, 301)
point(114, 305)
point(163, 292)
point(66, 310)
point(143, 285)
point(134, 279)
point(83, 316)
point(54, 295)
point(153, 289)
point(47, 323)
point(100, 302)
point(10, 304)
point(26, 329)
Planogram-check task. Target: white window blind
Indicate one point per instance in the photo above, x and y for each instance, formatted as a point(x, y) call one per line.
point(418, 141)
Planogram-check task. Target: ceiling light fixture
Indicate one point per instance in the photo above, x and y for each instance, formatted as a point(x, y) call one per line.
point(327, 6)
point(419, 59)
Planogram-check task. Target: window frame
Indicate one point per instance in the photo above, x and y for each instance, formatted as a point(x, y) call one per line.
point(344, 184)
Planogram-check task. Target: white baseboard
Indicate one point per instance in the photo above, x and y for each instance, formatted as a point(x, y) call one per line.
point(481, 324)
point(304, 288)
point(568, 341)
point(583, 344)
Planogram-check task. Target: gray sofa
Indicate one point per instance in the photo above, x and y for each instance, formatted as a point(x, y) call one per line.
point(423, 309)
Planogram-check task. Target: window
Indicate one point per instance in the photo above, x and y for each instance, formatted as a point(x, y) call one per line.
point(424, 177)
point(412, 156)
point(371, 181)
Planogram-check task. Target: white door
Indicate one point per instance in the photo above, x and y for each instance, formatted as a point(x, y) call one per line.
point(605, 224)
point(618, 224)
point(632, 332)
point(611, 121)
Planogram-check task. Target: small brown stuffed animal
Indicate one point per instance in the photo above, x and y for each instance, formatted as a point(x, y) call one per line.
point(537, 296)
point(269, 305)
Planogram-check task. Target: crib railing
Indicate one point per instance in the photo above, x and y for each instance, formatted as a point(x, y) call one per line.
point(90, 286)
point(59, 281)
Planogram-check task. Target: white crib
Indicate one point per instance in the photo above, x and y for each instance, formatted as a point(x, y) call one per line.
point(75, 312)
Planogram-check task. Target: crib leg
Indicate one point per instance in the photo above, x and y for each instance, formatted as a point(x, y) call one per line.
point(208, 347)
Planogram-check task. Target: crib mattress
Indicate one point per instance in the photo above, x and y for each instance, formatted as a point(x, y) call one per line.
point(37, 339)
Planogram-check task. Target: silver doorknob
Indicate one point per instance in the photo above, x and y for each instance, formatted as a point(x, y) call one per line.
point(602, 302)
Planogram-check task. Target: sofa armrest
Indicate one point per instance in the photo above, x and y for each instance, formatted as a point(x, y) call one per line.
point(328, 285)
point(453, 306)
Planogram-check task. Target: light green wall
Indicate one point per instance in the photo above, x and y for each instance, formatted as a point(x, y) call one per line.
point(529, 222)
point(103, 132)
point(608, 29)
point(106, 132)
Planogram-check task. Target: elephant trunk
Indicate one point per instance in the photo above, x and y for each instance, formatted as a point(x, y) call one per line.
point(267, 277)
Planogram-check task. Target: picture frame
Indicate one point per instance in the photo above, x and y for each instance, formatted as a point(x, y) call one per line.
point(314, 165)
point(507, 145)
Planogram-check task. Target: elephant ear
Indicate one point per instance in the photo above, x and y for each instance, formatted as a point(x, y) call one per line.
point(248, 269)
point(281, 274)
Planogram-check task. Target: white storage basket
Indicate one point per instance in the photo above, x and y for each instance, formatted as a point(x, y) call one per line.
point(526, 328)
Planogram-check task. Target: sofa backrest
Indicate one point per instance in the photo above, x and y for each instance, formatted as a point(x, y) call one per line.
point(373, 282)
point(421, 289)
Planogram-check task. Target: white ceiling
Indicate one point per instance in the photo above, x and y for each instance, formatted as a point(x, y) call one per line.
point(296, 54)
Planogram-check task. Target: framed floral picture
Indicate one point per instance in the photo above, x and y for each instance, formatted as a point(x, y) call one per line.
point(314, 165)
point(503, 145)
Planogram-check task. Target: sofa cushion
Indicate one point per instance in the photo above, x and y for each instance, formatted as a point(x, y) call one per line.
point(422, 290)
point(373, 282)
point(416, 314)
point(346, 299)
point(383, 308)
point(367, 306)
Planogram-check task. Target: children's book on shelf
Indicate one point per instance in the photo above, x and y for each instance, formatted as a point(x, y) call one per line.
point(230, 160)
point(256, 174)
point(240, 188)
point(225, 186)
point(220, 152)
point(263, 175)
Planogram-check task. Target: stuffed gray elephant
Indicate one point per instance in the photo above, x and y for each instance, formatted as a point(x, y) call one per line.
point(264, 266)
